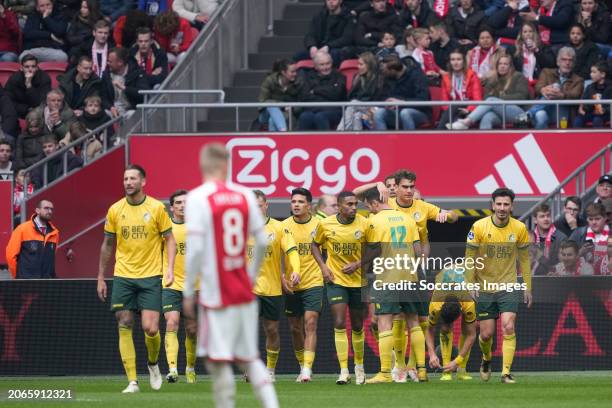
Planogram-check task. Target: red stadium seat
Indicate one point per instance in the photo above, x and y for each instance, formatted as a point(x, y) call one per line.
point(435, 94)
point(6, 70)
point(54, 69)
point(194, 33)
point(348, 68)
point(304, 64)
point(23, 124)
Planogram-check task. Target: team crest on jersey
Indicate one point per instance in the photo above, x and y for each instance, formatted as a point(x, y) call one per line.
point(313, 233)
point(125, 232)
point(146, 217)
point(417, 216)
point(271, 237)
point(471, 235)
point(358, 234)
point(511, 238)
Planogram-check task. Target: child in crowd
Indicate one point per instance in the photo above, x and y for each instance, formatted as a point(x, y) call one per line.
point(600, 88)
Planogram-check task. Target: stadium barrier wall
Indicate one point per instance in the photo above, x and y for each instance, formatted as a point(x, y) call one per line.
point(60, 327)
point(447, 164)
point(6, 216)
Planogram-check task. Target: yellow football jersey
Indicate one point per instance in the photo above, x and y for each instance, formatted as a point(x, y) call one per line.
point(139, 231)
point(468, 312)
point(280, 241)
point(303, 233)
point(451, 276)
point(343, 243)
point(180, 235)
point(499, 248)
point(420, 211)
point(396, 232)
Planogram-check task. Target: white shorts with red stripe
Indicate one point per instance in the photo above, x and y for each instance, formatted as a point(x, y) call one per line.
point(230, 333)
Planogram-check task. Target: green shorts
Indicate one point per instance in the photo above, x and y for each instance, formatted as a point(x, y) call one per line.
point(270, 307)
point(342, 294)
point(136, 294)
point(172, 300)
point(308, 300)
point(396, 307)
point(490, 305)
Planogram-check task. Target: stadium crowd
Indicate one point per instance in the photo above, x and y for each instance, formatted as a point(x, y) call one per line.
point(464, 50)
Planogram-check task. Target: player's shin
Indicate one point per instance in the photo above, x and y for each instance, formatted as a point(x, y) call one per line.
point(224, 387)
point(127, 352)
point(271, 359)
point(341, 341)
point(190, 351)
point(400, 340)
point(463, 364)
point(485, 347)
point(153, 344)
point(446, 346)
point(171, 345)
point(357, 339)
point(260, 381)
point(508, 349)
point(385, 350)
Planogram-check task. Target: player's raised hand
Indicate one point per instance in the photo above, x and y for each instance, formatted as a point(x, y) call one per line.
point(528, 298)
point(328, 275)
point(434, 361)
point(102, 290)
point(383, 190)
point(351, 267)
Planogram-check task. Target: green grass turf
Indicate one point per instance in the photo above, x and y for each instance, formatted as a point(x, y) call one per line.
point(558, 389)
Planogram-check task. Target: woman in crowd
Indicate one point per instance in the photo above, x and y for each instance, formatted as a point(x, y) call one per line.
point(503, 83)
point(459, 83)
point(530, 55)
point(480, 57)
point(282, 85)
point(367, 86)
point(587, 53)
point(80, 29)
point(596, 22)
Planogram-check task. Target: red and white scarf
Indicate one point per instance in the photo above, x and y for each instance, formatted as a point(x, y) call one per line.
point(426, 59)
point(459, 87)
point(529, 63)
point(544, 30)
point(480, 60)
point(547, 239)
point(441, 8)
point(600, 242)
point(604, 267)
point(99, 69)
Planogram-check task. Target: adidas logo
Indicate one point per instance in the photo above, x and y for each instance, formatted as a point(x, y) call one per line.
point(510, 174)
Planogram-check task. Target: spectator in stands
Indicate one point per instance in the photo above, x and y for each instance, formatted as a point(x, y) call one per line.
point(6, 165)
point(504, 83)
point(600, 88)
point(20, 7)
point(530, 54)
point(459, 83)
point(406, 82)
point(480, 58)
point(595, 19)
point(464, 21)
point(126, 28)
point(55, 167)
point(9, 35)
point(68, 8)
point(97, 47)
point(571, 217)
point(282, 85)
point(604, 188)
point(442, 44)
point(417, 13)
point(19, 192)
point(554, 18)
point(9, 124)
point(150, 58)
point(572, 264)
point(546, 240)
point(329, 31)
point(373, 24)
point(29, 144)
point(407, 47)
point(122, 82)
point(327, 205)
point(388, 46)
point(324, 84)
point(507, 21)
point(56, 114)
point(153, 7)
point(30, 253)
point(28, 87)
point(79, 83)
point(44, 33)
point(197, 12)
point(93, 115)
point(608, 204)
point(113, 9)
point(587, 53)
point(80, 29)
point(593, 238)
point(424, 56)
point(556, 84)
point(367, 86)
point(604, 266)
point(174, 35)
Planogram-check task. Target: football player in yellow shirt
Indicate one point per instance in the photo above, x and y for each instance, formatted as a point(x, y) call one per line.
point(445, 307)
point(271, 281)
point(137, 225)
point(394, 234)
point(496, 244)
point(343, 235)
point(303, 303)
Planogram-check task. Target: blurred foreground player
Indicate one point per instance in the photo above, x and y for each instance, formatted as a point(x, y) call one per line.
point(220, 218)
point(137, 225)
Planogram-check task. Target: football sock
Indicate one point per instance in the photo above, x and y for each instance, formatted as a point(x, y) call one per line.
point(446, 346)
point(385, 350)
point(508, 348)
point(127, 352)
point(299, 355)
point(224, 387)
point(417, 343)
point(153, 344)
point(485, 347)
point(309, 357)
point(412, 359)
point(260, 382)
point(467, 355)
point(190, 350)
point(357, 338)
point(171, 344)
point(271, 358)
point(341, 341)
point(400, 341)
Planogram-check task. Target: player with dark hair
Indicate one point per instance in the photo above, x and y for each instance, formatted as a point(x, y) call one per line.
point(343, 235)
point(500, 242)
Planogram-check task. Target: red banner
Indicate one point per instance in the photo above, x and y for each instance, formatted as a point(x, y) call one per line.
point(6, 213)
point(447, 164)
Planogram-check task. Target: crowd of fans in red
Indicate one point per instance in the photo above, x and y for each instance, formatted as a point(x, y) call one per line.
point(466, 50)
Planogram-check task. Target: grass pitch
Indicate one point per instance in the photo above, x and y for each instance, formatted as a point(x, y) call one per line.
point(555, 390)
